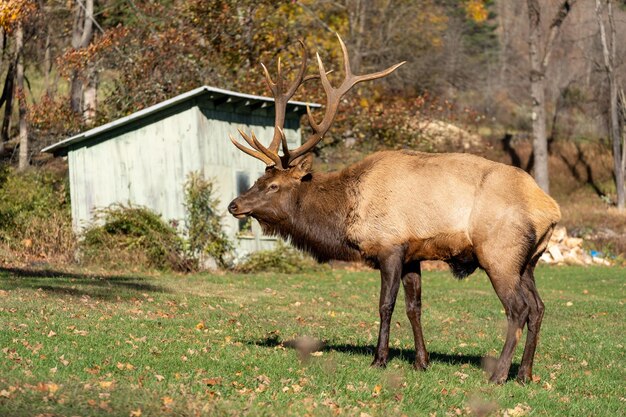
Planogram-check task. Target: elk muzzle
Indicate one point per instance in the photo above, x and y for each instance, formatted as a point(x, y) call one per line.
point(235, 209)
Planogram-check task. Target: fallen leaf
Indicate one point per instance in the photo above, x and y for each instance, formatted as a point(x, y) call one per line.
point(263, 379)
point(461, 375)
point(167, 401)
point(4, 393)
point(135, 413)
point(159, 377)
point(93, 371)
point(52, 333)
point(518, 411)
point(106, 384)
point(200, 325)
point(212, 381)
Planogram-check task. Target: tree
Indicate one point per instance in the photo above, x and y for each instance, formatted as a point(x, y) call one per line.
point(82, 33)
point(608, 43)
point(23, 160)
point(538, 65)
point(13, 16)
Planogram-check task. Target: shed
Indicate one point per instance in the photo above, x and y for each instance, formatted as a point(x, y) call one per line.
point(145, 158)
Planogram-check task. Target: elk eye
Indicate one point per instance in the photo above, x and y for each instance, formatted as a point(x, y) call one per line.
point(272, 187)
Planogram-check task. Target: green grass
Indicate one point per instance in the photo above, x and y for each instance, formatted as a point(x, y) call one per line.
point(78, 345)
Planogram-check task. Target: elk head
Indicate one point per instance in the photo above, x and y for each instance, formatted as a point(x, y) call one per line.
point(270, 199)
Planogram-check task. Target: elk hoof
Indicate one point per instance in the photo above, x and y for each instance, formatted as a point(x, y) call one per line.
point(379, 363)
point(497, 379)
point(421, 361)
point(524, 377)
point(420, 366)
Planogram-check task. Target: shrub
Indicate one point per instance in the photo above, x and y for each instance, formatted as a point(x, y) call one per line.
point(133, 236)
point(35, 218)
point(282, 258)
point(205, 236)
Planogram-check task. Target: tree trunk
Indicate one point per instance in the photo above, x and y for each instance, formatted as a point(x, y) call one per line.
point(47, 65)
point(358, 16)
point(23, 126)
point(90, 96)
point(616, 138)
point(538, 66)
point(82, 32)
point(7, 100)
point(1, 46)
point(608, 53)
point(537, 93)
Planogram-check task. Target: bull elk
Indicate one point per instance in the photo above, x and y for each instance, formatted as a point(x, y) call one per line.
point(394, 209)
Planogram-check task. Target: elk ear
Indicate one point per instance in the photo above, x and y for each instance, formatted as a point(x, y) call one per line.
point(302, 165)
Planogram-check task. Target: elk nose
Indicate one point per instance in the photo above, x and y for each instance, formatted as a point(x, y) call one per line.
point(232, 207)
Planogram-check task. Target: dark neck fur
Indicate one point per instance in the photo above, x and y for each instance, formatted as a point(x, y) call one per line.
point(320, 218)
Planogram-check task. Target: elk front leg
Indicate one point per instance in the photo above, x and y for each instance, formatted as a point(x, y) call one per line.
point(412, 282)
point(390, 270)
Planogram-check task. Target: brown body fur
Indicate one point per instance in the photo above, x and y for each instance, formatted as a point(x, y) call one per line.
point(397, 208)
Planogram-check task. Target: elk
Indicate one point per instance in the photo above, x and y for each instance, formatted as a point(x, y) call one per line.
point(395, 209)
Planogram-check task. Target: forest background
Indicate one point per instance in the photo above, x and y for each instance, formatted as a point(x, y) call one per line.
point(537, 84)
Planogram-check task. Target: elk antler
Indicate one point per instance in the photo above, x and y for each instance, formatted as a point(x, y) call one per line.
point(333, 95)
point(283, 94)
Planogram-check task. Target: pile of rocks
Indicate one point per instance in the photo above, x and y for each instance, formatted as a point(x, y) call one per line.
point(564, 249)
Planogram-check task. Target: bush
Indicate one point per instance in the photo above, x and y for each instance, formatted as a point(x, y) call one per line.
point(133, 236)
point(203, 223)
point(283, 259)
point(35, 219)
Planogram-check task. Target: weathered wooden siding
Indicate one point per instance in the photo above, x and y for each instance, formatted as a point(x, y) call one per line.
point(147, 164)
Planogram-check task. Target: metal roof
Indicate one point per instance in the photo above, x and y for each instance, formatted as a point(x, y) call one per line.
point(214, 93)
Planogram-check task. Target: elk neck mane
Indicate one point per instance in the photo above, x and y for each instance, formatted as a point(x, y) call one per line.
point(321, 211)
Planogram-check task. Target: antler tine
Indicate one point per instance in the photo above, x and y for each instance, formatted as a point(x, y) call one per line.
point(268, 78)
point(255, 154)
point(258, 147)
point(284, 142)
point(333, 95)
point(273, 155)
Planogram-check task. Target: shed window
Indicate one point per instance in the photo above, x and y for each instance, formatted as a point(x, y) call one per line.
point(243, 183)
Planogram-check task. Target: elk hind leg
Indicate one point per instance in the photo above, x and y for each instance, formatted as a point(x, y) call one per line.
point(517, 312)
point(412, 282)
point(535, 318)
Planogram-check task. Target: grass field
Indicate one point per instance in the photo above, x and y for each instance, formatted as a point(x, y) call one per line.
point(80, 345)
